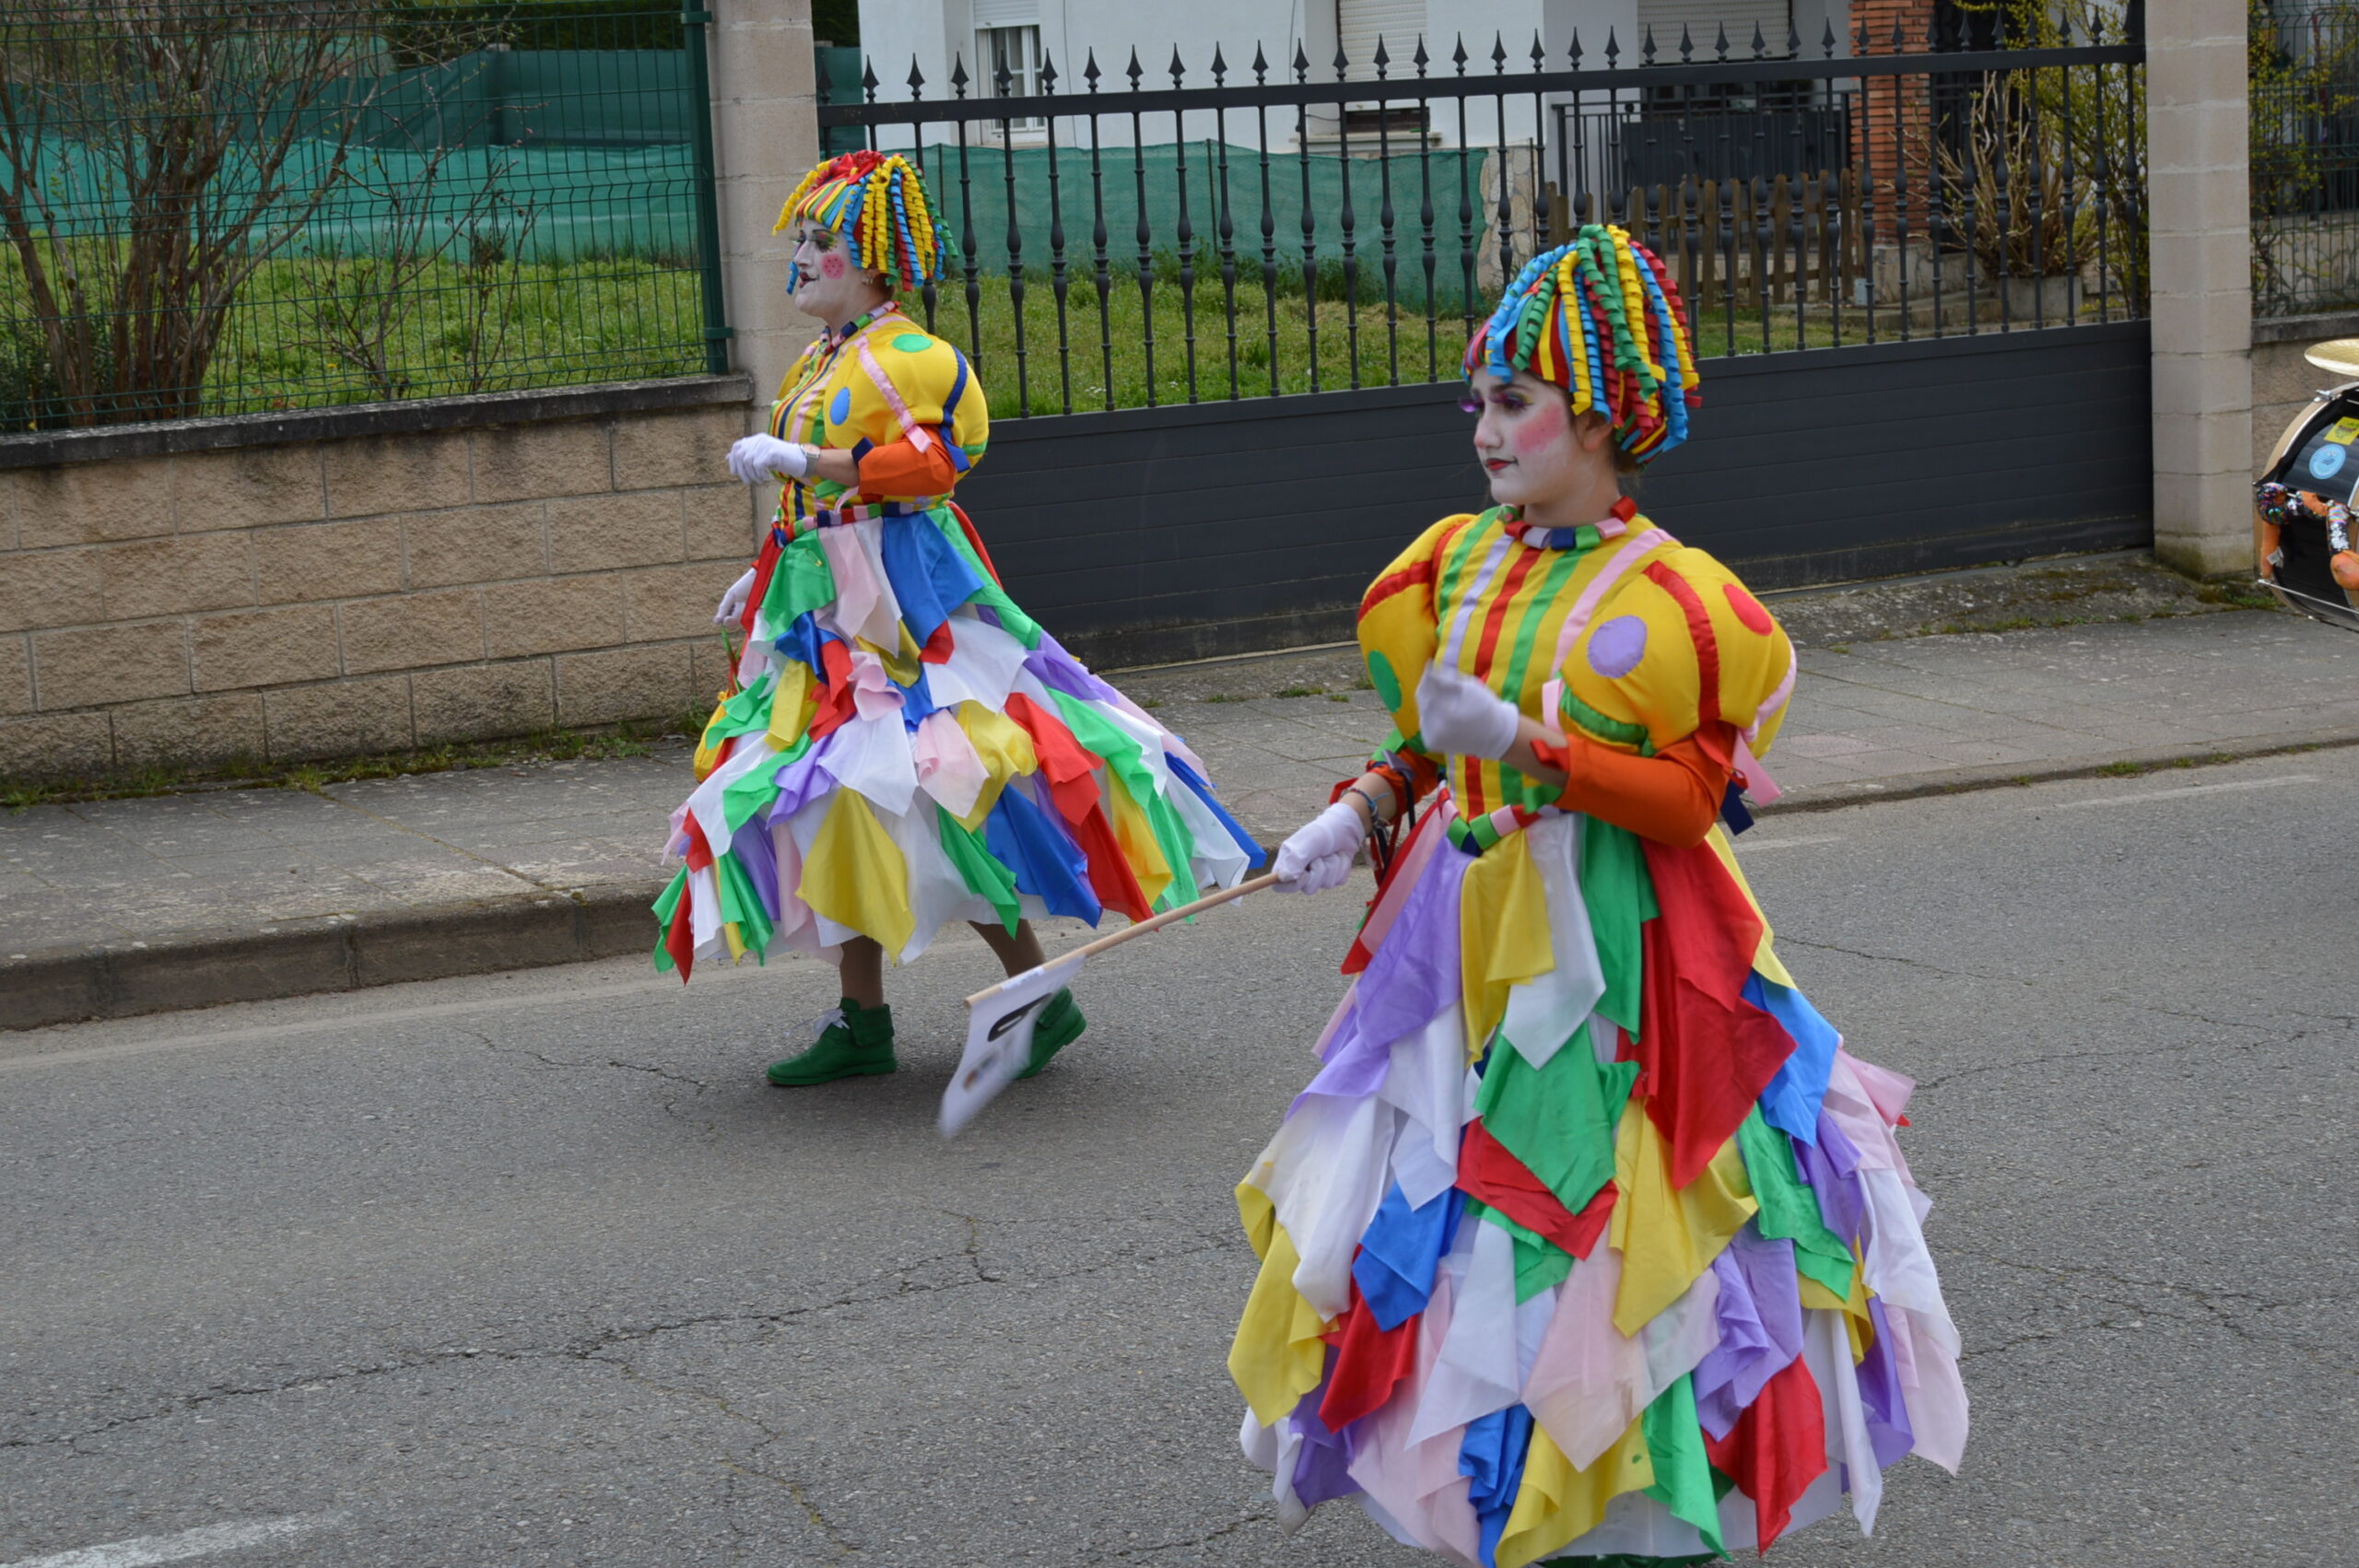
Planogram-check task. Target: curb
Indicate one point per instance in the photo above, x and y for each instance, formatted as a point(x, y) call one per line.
point(350, 953)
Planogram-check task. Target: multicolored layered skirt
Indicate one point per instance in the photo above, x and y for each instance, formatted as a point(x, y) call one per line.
point(1589, 1239)
point(906, 747)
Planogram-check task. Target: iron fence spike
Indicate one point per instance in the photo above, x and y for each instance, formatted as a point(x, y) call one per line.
point(1720, 45)
point(1687, 45)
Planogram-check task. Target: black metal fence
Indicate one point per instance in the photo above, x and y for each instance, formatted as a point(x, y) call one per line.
point(1131, 244)
point(2305, 158)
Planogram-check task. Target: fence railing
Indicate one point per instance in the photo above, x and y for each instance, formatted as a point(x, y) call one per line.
point(221, 206)
point(2305, 158)
point(1132, 244)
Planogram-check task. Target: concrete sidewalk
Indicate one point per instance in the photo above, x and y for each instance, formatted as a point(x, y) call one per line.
point(110, 908)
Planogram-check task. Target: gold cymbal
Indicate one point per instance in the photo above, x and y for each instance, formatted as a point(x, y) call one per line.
point(2340, 354)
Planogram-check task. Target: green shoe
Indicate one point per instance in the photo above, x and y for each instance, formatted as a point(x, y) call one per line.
point(858, 1041)
point(1060, 1024)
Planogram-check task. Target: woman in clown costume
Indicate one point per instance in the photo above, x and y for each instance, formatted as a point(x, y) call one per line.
point(905, 746)
point(1589, 1242)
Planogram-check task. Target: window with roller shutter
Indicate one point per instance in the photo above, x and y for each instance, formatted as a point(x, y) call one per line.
point(1703, 20)
point(1359, 23)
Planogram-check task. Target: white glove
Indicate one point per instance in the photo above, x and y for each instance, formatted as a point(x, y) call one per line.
point(733, 603)
point(1319, 854)
point(751, 457)
point(1459, 714)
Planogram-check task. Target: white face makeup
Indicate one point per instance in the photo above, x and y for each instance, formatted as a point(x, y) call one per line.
point(823, 279)
point(1526, 440)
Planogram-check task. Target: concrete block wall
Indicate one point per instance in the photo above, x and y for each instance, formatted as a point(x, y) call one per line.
point(350, 586)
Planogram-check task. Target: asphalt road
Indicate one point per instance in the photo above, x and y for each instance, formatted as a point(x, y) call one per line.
point(535, 1269)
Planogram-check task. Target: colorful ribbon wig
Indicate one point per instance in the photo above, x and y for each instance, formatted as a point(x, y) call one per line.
point(1602, 319)
point(878, 204)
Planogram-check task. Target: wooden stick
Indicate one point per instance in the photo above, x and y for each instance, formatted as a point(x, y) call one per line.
point(1154, 923)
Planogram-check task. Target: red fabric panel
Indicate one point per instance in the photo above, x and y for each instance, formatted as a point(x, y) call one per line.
point(679, 940)
point(835, 697)
point(1071, 770)
point(765, 563)
point(976, 540)
point(1489, 1170)
point(1368, 1364)
point(1110, 876)
point(1699, 627)
point(1384, 588)
point(700, 850)
point(899, 470)
point(937, 646)
point(1704, 1052)
point(1776, 1449)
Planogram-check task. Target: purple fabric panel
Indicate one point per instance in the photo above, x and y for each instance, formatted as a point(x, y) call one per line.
point(1061, 670)
point(758, 857)
point(1772, 1295)
point(1889, 1433)
point(1323, 1465)
point(1413, 976)
point(1355, 1065)
point(1829, 1166)
point(802, 781)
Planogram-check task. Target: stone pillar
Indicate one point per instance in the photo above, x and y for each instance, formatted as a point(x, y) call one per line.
point(766, 137)
point(2201, 249)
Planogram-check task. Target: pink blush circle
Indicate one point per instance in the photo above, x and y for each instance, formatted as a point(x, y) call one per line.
point(831, 266)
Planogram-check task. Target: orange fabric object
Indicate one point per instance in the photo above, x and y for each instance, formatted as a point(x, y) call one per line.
point(1672, 797)
point(899, 470)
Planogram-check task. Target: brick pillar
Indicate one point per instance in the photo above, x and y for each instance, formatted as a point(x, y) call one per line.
point(766, 136)
point(2200, 247)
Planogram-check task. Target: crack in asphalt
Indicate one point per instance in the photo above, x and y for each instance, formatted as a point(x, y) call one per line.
point(671, 1105)
point(1259, 1516)
point(903, 1285)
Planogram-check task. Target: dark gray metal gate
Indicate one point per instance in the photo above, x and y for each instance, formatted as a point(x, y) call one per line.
point(1147, 536)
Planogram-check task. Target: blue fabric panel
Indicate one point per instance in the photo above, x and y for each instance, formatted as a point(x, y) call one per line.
point(1400, 1252)
point(1046, 861)
point(929, 578)
point(1791, 1103)
point(1490, 1457)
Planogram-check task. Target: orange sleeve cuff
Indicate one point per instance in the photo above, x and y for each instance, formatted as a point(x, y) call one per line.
point(1672, 797)
point(899, 470)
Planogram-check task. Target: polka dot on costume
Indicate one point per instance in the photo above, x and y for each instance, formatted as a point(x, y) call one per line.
point(841, 409)
point(1388, 685)
point(1615, 648)
point(1748, 610)
point(913, 343)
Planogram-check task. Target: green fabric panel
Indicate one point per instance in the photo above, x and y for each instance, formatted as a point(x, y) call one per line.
point(1387, 684)
point(1621, 899)
point(1450, 577)
point(741, 904)
point(1789, 1207)
point(1538, 1262)
point(743, 796)
point(1558, 1119)
point(801, 580)
point(1584, 717)
point(1683, 1471)
point(748, 711)
point(985, 877)
point(666, 904)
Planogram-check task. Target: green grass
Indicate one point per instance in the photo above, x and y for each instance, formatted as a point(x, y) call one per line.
point(248, 773)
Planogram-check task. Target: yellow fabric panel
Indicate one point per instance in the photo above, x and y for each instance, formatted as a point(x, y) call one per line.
point(1279, 1352)
point(1503, 934)
point(792, 704)
point(1258, 1215)
point(1662, 691)
point(855, 876)
point(1857, 1323)
point(1558, 1504)
point(737, 944)
point(1667, 1236)
point(1006, 750)
point(1764, 957)
point(1136, 836)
